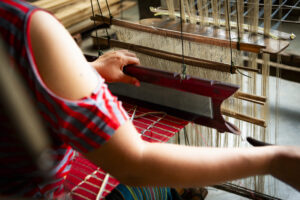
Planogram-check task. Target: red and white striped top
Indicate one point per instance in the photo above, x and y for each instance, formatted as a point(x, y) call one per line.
point(81, 125)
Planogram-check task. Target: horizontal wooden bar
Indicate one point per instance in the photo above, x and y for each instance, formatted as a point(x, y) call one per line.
point(251, 97)
point(175, 33)
point(246, 118)
point(167, 55)
point(172, 56)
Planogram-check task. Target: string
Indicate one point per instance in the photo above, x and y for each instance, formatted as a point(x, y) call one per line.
point(133, 114)
point(278, 75)
point(186, 136)
point(183, 72)
point(100, 52)
point(142, 116)
point(121, 8)
point(167, 118)
point(95, 27)
point(152, 125)
point(160, 123)
point(155, 127)
point(110, 16)
point(243, 73)
point(230, 42)
point(237, 25)
point(229, 29)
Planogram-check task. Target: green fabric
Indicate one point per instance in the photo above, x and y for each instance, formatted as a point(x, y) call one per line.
point(139, 193)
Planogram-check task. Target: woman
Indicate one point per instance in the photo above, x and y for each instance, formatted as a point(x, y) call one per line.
point(82, 115)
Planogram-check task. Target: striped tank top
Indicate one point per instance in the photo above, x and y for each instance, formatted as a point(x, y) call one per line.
point(81, 125)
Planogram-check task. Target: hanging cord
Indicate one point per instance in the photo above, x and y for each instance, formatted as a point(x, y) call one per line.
point(238, 35)
point(230, 41)
point(121, 8)
point(183, 67)
point(100, 51)
point(95, 27)
point(186, 137)
point(109, 13)
point(278, 75)
point(229, 29)
point(243, 73)
point(237, 25)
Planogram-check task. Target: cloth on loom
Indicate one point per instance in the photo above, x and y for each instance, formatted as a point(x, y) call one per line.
point(122, 192)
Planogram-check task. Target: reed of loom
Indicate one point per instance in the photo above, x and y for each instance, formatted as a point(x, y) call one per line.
point(219, 56)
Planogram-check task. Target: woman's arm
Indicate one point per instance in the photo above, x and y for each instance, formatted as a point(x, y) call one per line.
point(140, 163)
point(125, 155)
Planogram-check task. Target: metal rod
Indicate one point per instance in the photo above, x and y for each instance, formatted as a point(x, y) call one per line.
point(244, 192)
point(279, 7)
point(285, 16)
point(275, 20)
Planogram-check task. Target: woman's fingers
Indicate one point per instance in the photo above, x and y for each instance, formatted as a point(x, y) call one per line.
point(131, 61)
point(131, 80)
point(110, 66)
point(127, 53)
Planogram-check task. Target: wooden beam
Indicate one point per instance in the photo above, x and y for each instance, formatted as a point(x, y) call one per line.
point(243, 117)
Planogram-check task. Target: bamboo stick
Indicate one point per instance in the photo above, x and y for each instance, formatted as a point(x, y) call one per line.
point(251, 97)
point(246, 118)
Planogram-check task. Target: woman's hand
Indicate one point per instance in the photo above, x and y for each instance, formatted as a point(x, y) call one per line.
point(110, 66)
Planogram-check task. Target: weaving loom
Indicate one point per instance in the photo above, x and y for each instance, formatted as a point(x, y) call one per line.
point(215, 40)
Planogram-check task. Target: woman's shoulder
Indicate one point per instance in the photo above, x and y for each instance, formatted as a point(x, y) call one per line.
point(58, 60)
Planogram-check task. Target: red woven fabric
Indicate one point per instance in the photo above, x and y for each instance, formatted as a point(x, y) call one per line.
point(85, 178)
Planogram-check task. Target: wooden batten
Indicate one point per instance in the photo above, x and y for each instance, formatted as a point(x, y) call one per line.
point(167, 55)
point(172, 56)
point(194, 33)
